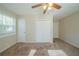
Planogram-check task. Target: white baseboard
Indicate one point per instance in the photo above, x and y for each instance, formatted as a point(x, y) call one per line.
point(71, 43)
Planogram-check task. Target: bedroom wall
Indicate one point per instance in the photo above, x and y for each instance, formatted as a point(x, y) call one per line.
point(8, 40)
point(69, 29)
point(30, 24)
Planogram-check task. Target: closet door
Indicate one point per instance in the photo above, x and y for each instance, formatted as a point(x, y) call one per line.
point(21, 30)
point(43, 31)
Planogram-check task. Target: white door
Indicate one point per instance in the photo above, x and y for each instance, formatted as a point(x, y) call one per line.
point(21, 30)
point(43, 31)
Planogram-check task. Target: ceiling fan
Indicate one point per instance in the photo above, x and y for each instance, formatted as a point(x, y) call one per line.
point(47, 6)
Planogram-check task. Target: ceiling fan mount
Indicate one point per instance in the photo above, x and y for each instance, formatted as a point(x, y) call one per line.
point(46, 6)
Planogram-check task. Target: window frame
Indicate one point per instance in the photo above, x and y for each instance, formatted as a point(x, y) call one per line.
point(5, 32)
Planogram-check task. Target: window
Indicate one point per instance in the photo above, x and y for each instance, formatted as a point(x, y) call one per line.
point(7, 24)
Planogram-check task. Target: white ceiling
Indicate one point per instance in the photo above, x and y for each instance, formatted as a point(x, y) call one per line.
point(24, 9)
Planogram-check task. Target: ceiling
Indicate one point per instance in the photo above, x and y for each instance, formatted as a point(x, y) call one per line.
point(24, 9)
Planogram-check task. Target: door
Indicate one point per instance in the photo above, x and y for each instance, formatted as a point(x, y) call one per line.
point(21, 30)
point(43, 31)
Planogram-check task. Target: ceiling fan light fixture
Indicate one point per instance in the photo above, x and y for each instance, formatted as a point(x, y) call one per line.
point(44, 7)
point(49, 6)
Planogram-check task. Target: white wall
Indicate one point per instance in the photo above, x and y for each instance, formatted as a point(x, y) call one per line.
point(30, 21)
point(69, 29)
point(55, 29)
point(9, 39)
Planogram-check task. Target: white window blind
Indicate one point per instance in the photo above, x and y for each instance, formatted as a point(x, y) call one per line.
point(7, 24)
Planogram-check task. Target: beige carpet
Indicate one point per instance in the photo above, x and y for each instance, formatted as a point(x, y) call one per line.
point(59, 48)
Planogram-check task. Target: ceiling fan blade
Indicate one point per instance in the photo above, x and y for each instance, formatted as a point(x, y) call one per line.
point(38, 5)
point(46, 8)
point(57, 6)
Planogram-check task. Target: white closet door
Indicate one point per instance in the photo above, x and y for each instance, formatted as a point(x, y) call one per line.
point(21, 30)
point(43, 31)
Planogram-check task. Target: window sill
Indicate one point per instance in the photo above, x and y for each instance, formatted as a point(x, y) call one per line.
point(6, 35)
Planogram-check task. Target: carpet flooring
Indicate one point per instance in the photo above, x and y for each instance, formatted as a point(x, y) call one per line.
point(58, 48)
